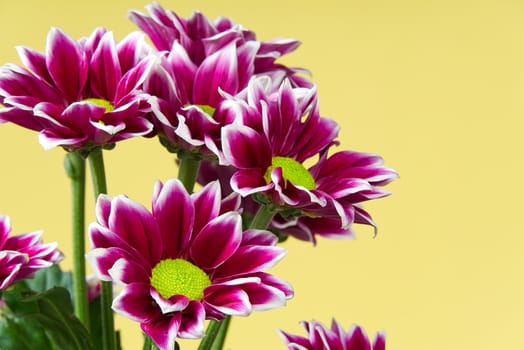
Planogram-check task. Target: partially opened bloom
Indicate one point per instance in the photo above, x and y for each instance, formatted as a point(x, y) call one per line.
point(22, 255)
point(201, 37)
point(202, 61)
point(78, 94)
point(319, 337)
point(186, 261)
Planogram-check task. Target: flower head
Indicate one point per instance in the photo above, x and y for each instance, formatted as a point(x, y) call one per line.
point(78, 94)
point(186, 261)
point(320, 337)
point(273, 137)
point(201, 62)
point(22, 255)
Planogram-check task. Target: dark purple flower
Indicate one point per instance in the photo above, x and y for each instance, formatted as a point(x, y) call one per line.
point(78, 94)
point(201, 63)
point(186, 261)
point(319, 337)
point(22, 255)
point(268, 145)
point(201, 37)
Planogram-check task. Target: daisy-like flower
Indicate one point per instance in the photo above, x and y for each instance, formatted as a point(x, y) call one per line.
point(186, 261)
point(202, 60)
point(319, 337)
point(276, 133)
point(78, 94)
point(201, 37)
point(22, 255)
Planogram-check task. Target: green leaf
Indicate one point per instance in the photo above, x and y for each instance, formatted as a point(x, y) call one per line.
point(50, 277)
point(22, 333)
point(49, 313)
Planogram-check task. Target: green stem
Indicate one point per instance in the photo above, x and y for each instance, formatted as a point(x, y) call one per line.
point(221, 335)
point(211, 334)
point(75, 167)
point(188, 170)
point(96, 165)
point(149, 344)
point(263, 217)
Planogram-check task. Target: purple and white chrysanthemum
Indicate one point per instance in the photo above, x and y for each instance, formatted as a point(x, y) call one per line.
point(275, 134)
point(79, 94)
point(24, 254)
point(202, 61)
point(186, 261)
point(201, 38)
point(319, 337)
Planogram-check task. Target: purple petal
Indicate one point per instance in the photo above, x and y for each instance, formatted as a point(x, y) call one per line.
point(276, 282)
point(136, 226)
point(161, 36)
point(192, 325)
point(103, 209)
point(105, 72)
point(218, 71)
point(183, 70)
point(66, 64)
point(174, 304)
point(163, 331)
point(259, 237)
point(135, 303)
point(35, 61)
point(207, 204)
point(249, 259)
point(228, 300)
point(249, 181)
point(357, 339)
point(131, 50)
point(217, 241)
point(5, 229)
point(18, 81)
point(175, 214)
point(379, 342)
point(103, 259)
point(245, 148)
point(125, 271)
point(263, 297)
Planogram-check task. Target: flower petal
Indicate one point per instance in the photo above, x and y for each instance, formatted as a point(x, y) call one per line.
point(217, 72)
point(245, 148)
point(163, 331)
point(228, 300)
point(217, 241)
point(66, 63)
point(134, 302)
point(171, 200)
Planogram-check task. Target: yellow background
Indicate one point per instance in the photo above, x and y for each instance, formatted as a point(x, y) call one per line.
point(436, 87)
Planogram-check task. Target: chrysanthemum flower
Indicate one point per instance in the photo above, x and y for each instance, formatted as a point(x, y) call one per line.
point(22, 255)
point(201, 37)
point(202, 61)
point(276, 134)
point(78, 94)
point(320, 337)
point(186, 261)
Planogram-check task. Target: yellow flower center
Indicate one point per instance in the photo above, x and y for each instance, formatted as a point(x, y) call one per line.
point(291, 171)
point(177, 276)
point(102, 103)
point(207, 109)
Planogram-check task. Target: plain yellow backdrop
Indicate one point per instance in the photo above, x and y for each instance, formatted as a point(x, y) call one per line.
point(435, 87)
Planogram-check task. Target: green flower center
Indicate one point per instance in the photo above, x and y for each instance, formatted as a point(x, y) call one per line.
point(291, 171)
point(102, 103)
point(177, 276)
point(207, 109)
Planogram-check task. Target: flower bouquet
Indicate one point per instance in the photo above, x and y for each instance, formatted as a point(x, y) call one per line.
point(246, 132)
